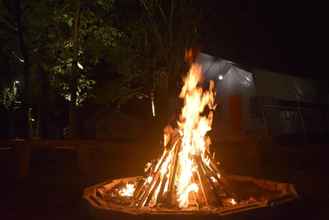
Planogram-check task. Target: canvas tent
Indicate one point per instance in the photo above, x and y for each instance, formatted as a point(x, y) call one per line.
point(257, 101)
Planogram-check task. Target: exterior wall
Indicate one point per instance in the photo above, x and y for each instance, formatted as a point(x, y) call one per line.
point(237, 83)
point(285, 87)
point(233, 95)
point(269, 103)
point(290, 105)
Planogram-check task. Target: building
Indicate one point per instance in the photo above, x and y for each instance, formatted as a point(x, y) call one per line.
point(259, 102)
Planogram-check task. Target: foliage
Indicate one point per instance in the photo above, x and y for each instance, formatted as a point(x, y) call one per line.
point(151, 50)
point(9, 96)
point(144, 49)
point(48, 27)
point(97, 36)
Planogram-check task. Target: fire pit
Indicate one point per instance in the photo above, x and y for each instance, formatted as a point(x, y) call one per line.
point(186, 179)
point(118, 195)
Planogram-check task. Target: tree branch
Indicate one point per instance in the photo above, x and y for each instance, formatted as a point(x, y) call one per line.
point(9, 26)
point(152, 23)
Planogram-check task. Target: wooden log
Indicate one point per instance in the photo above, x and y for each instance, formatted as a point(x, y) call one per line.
point(208, 191)
point(160, 162)
point(222, 188)
point(143, 191)
point(202, 196)
point(173, 171)
point(161, 198)
point(148, 195)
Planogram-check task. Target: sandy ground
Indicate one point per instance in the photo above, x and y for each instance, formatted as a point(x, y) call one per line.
point(54, 187)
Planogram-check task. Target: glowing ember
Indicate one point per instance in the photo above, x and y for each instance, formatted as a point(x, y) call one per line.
point(127, 191)
point(233, 201)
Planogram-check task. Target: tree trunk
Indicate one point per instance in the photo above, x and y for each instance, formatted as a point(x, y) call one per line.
point(26, 68)
point(73, 81)
point(43, 104)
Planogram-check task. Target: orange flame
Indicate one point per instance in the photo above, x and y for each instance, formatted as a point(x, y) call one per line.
point(185, 175)
point(193, 127)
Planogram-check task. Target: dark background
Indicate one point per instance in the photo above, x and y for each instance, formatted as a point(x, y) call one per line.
point(284, 36)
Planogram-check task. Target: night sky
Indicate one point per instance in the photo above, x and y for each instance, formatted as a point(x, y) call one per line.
point(283, 36)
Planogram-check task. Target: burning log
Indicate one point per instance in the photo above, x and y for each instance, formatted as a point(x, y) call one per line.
point(173, 170)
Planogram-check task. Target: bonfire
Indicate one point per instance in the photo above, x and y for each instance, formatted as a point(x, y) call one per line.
point(186, 178)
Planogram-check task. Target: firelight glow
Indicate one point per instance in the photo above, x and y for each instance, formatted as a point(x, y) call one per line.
point(185, 175)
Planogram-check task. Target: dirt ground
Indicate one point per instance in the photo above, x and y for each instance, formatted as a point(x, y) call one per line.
point(55, 184)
